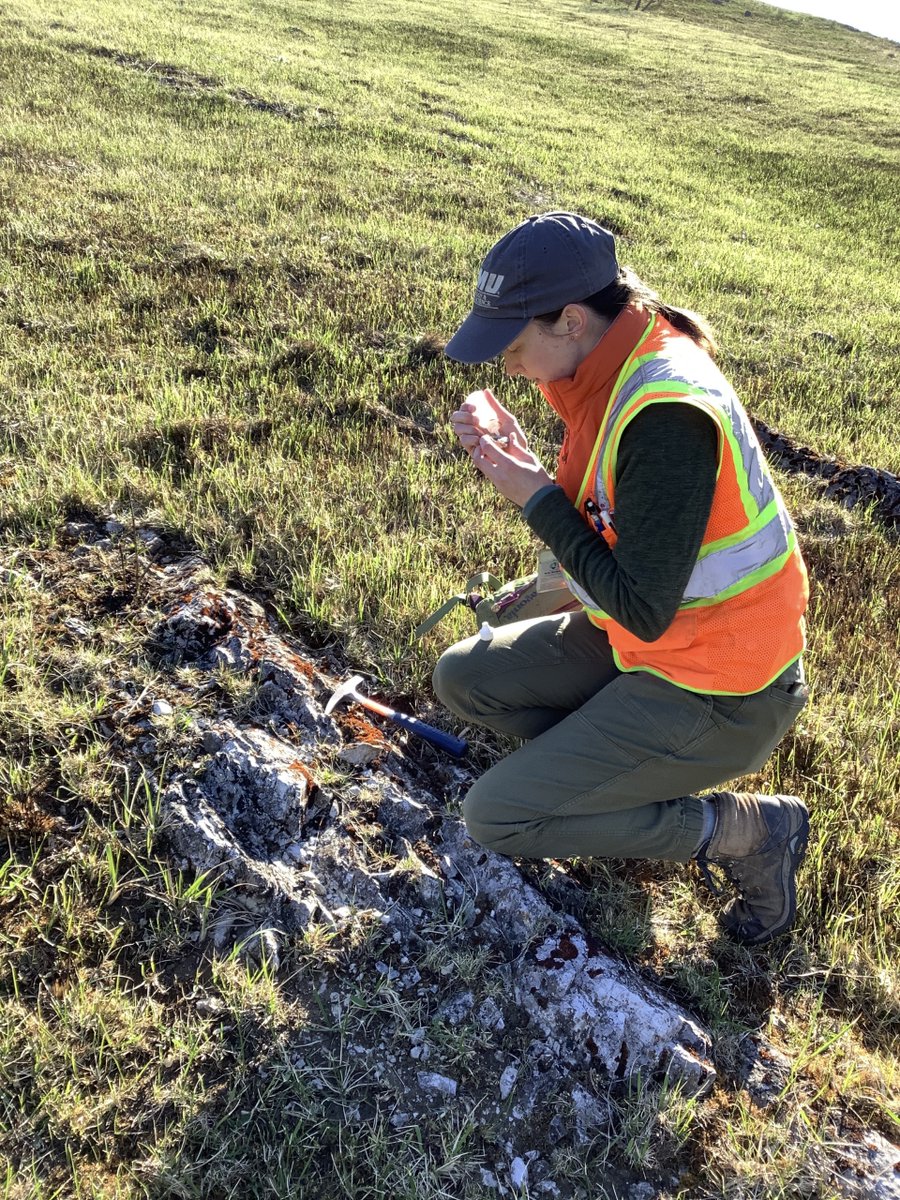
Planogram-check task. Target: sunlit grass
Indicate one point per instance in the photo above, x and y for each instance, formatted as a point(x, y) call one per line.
point(231, 242)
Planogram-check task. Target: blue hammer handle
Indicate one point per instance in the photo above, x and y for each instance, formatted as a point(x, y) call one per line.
point(453, 745)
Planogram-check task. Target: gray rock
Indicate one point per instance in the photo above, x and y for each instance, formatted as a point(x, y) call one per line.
point(508, 1079)
point(868, 1169)
point(591, 1113)
point(642, 1191)
point(455, 1010)
point(78, 629)
point(430, 1081)
point(262, 945)
point(596, 1011)
point(518, 1173)
point(360, 754)
point(197, 624)
point(18, 579)
point(500, 886)
point(81, 531)
point(285, 691)
point(231, 653)
point(489, 1016)
point(259, 787)
point(151, 540)
point(406, 813)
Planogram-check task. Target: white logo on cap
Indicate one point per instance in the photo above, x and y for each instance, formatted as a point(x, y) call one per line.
point(487, 288)
point(490, 283)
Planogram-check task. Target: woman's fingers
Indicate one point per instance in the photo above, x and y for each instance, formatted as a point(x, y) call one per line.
point(502, 414)
point(482, 416)
point(506, 422)
point(514, 471)
point(466, 430)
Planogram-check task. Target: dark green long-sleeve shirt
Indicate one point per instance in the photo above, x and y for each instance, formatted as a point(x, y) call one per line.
point(665, 479)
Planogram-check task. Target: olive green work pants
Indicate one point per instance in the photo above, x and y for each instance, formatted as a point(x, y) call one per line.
point(612, 760)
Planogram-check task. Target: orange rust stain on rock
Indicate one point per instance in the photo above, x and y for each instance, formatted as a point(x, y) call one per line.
point(303, 668)
point(362, 729)
point(303, 769)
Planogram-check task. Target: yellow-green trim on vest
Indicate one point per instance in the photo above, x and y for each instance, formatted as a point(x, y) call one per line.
point(626, 372)
point(676, 393)
point(766, 571)
point(693, 396)
point(701, 691)
point(763, 518)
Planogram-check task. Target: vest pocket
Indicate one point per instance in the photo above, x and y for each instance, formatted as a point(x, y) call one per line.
point(680, 634)
point(679, 654)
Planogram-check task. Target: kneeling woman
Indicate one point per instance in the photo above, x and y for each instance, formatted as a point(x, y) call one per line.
point(682, 670)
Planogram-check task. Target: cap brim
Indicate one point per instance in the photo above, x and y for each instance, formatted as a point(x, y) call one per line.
point(481, 338)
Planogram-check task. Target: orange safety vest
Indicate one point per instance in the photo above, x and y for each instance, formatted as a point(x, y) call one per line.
point(740, 621)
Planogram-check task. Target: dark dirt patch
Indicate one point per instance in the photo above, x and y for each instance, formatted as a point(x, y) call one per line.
point(849, 485)
point(207, 334)
point(193, 258)
point(25, 818)
point(427, 348)
point(31, 161)
point(305, 361)
point(169, 74)
point(180, 444)
point(191, 83)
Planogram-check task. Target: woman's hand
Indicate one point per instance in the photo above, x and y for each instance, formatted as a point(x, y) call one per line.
point(481, 415)
point(515, 472)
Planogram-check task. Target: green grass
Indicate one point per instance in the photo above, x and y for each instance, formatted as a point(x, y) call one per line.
point(232, 238)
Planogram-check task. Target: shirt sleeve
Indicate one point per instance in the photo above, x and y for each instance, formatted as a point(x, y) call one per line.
point(665, 478)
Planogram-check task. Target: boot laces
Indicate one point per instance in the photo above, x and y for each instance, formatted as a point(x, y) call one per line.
point(716, 887)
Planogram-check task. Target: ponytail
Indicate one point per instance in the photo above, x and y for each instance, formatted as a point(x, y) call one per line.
point(627, 289)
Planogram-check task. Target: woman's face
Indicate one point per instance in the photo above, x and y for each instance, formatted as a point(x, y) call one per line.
point(545, 353)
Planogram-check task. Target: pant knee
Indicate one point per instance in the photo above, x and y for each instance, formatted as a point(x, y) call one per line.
point(451, 680)
point(483, 824)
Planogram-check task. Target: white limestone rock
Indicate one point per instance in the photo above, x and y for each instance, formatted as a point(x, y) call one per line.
point(431, 1081)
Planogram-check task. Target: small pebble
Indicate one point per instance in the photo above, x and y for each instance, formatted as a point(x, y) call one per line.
point(518, 1172)
point(432, 1082)
point(508, 1081)
point(78, 628)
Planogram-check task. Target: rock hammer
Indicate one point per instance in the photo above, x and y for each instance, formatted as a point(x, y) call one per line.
point(453, 745)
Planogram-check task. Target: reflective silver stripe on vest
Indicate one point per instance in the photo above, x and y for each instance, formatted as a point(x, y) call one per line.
point(724, 568)
point(685, 363)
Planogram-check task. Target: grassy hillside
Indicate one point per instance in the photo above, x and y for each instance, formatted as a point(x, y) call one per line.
point(233, 236)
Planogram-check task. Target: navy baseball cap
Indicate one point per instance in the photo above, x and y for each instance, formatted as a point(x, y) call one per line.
point(545, 263)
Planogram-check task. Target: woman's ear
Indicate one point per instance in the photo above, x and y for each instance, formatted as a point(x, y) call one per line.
point(573, 320)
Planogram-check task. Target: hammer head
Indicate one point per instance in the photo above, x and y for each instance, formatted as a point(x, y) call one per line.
point(346, 689)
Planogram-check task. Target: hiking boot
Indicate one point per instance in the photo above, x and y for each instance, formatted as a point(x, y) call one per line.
point(758, 842)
